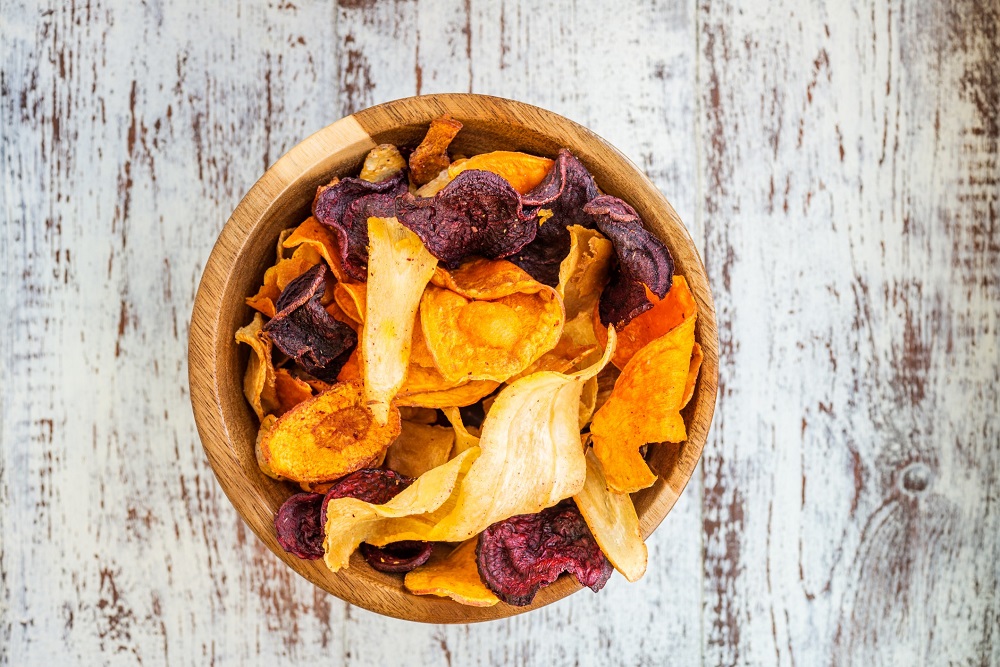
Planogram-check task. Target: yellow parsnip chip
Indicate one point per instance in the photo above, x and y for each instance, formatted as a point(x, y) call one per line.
point(455, 576)
point(419, 448)
point(584, 272)
point(259, 379)
point(383, 161)
point(521, 170)
point(630, 419)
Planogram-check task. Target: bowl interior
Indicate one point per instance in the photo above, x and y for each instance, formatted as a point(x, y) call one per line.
point(282, 198)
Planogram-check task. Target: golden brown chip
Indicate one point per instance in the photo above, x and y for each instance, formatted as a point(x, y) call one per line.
point(418, 415)
point(521, 170)
point(460, 396)
point(486, 279)
point(312, 233)
point(563, 358)
point(644, 407)
point(584, 272)
point(328, 436)
point(431, 156)
point(266, 424)
point(588, 401)
point(696, 359)
point(455, 576)
point(351, 299)
point(435, 185)
point(419, 448)
point(383, 161)
point(290, 390)
point(464, 439)
point(278, 276)
point(259, 379)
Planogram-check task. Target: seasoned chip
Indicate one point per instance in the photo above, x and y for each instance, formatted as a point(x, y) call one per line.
point(630, 419)
point(455, 576)
point(277, 277)
point(290, 390)
point(398, 270)
point(478, 213)
point(259, 379)
point(696, 359)
point(431, 156)
point(521, 554)
point(612, 521)
point(383, 161)
point(523, 171)
point(298, 528)
point(643, 261)
point(328, 436)
point(419, 448)
point(303, 329)
point(313, 234)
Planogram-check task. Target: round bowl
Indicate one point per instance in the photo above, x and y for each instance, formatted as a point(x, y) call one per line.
point(282, 198)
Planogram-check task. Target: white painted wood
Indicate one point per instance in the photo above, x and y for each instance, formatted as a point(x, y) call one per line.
point(837, 161)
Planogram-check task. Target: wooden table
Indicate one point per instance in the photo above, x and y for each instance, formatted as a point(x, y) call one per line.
point(837, 163)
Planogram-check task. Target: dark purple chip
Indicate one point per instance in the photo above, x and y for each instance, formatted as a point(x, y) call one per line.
point(398, 556)
point(642, 260)
point(478, 213)
point(297, 525)
point(304, 331)
point(520, 555)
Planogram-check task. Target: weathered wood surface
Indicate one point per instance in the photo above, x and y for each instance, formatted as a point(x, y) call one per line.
point(837, 162)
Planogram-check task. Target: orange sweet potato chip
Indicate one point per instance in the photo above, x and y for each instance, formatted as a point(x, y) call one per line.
point(431, 156)
point(290, 390)
point(313, 234)
point(419, 448)
point(266, 424)
point(666, 314)
point(486, 279)
point(696, 359)
point(278, 276)
point(631, 418)
point(455, 576)
point(259, 379)
point(351, 299)
point(456, 396)
point(521, 170)
point(328, 436)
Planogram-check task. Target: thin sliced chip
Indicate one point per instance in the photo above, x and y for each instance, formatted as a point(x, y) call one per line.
point(455, 576)
point(266, 424)
point(418, 415)
point(431, 156)
point(665, 315)
point(523, 171)
point(588, 401)
point(351, 299)
point(460, 396)
point(383, 162)
point(696, 358)
point(398, 269)
point(566, 356)
point(486, 279)
point(328, 436)
point(313, 234)
point(419, 448)
point(630, 419)
point(351, 370)
point(435, 185)
point(290, 390)
point(612, 521)
point(277, 277)
point(463, 438)
point(584, 272)
point(258, 381)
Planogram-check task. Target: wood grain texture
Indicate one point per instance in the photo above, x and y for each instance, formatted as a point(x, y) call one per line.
point(837, 161)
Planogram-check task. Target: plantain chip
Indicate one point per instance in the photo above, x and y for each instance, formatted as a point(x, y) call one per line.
point(328, 436)
point(259, 379)
point(521, 170)
point(630, 419)
point(455, 576)
point(399, 267)
point(612, 521)
point(419, 448)
point(277, 277)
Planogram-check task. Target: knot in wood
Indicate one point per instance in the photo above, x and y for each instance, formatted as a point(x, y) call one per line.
point(916, 477)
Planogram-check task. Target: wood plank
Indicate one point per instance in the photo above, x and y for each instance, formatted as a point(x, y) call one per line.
point(850, 209)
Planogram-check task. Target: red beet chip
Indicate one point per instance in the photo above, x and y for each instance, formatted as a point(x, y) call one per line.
point(297, 525)
point(304, 331)
point(398, 556)
point(478, 213)
point(642, 260)
point(520, 555)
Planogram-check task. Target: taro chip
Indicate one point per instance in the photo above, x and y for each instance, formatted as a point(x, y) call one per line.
point(478, 213)
point(643, 261)
point(431, 156)
point(523, 171)
point(455, 576)
point(399, 269)
point(521, 554)
point(311, 233)
point(298, 528)
point(612, 521)
point(328, 436)
point(630, 419)
point(419, 448)
point(259, 379)
point(304, 331)
point(696, 358)
point(290, 390)
point(277, 277)
point(383, 162)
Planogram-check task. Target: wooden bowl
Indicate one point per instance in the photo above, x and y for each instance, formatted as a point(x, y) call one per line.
point(281, 199)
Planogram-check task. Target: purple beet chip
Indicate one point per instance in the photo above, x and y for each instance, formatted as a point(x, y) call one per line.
point(397, 556)
point(520, 555)
point(642, 260)
point(297, 525)
point(478, 213)
point(304, 331)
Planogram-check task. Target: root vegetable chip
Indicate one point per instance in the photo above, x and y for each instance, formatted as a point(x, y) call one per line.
point(397, 557)
point(277, 277)
point(431, 156)
point(584, 272)
point(304, 331)
point(328, 436)
point(459, 396)
point(398, 270)
point(478, 213)
point(298, 528)
point(418, 415)
point(266, 424)
point(455, 576)
point(383, 162)
point(612, 521)
point(696, 359)
point(463, 438)
point(630, 419)
point(486, 279)
point(290, 390)
point(313, 234)
point(419, 448)
point(588, 402)
point(259, 379)
point(523, 553)
point(666, 313)
point(351, 299)
point(643, 261)
point(523, 171)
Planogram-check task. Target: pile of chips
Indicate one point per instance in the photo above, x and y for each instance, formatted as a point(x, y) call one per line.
point(461, 362)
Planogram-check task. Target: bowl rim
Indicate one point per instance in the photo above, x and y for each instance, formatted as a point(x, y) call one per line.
point(207, 339)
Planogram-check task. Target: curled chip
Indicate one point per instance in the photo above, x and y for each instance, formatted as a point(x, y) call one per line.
point(563, 358)
point(584, 272)
point(478, 213)
point(297, 525)
point(266, 424)
point(696, 358)
point(520, 555)
point(564, 192)
point(485, 279)
point(277, 277)
point(398, 270)
point(463, 438)
point(630, 420)
point(665, 315)
point(328, 436)
point(259, 379)
point(290, 390)
point(459, 396)
point(304, 331)
point(383, 162)
point(612, 521)
point(398, 556)
point(643, 261)
point(311, 233)
point(431, 156)
point(419, 448)
point(351, 299)
point(523, 171)
point(455, 576)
